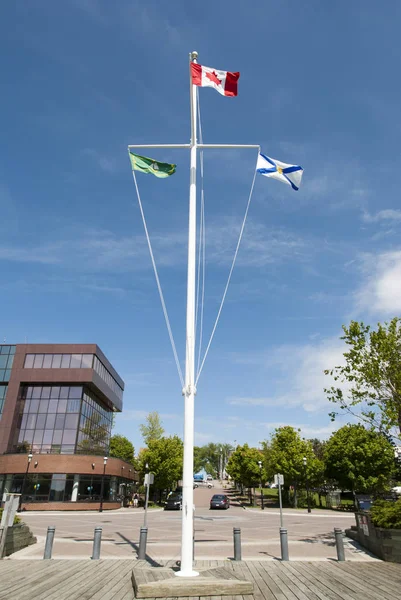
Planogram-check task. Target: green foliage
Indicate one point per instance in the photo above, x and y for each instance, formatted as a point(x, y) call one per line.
point(121, 447)
point(243, 466)
point(23, 448)
point(165, 460)
point(285, 453)
point(153, 430)
point(358, 459)
point(211, 457)
point(386, 514)
point(371, 376)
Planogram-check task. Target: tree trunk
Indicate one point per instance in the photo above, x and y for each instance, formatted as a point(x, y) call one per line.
point(295, 496)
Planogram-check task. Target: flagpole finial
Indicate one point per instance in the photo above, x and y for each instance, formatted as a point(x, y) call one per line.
point(194, 55)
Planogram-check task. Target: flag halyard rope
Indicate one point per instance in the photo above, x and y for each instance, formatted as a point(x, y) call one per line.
point(159, 287)
point(202, 246)
point(229, 278)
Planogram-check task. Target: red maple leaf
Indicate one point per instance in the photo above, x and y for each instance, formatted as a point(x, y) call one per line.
point(213, 77)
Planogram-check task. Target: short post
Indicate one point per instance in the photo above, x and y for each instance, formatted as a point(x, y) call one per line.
point(49, 542)
point(339, 544)
point(97, 538)
point(143, 536)
point(284, 544)
point(237, 543)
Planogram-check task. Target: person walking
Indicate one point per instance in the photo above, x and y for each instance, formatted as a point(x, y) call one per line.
point(135, 500)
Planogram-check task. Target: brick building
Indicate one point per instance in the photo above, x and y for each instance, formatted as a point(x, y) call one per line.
point(56, 411)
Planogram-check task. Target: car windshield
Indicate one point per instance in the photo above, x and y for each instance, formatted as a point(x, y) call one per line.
point(175, 497)
point(218, 497)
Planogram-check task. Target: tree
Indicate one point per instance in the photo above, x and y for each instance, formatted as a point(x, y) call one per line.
point(121, 447)
point(359, 460)
point(243, 467)
point(371, 376)
point(318, 447)
point(153, 430)
point(211, 457)
point(285, 454)
point(164, 458)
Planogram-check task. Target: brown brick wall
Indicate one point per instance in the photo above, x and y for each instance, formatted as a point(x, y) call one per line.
point(66, 463)
point(69, 505)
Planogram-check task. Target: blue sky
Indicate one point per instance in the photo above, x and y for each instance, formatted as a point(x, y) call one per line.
point(319, 87)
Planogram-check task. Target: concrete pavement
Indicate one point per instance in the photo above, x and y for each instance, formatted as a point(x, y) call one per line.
point(310, 535)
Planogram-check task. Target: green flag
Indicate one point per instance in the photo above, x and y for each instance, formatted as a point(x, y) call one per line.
point(148, 165)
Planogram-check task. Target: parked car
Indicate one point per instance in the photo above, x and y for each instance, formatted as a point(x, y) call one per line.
point(397, 490)
point(173, 502)
point(208, 484)
point(209, 478)
point(220, 501)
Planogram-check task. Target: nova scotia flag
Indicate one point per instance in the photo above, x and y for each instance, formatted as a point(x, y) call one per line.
point(270, 167)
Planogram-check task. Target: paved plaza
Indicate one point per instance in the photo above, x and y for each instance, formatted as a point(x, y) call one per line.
point(311, 536)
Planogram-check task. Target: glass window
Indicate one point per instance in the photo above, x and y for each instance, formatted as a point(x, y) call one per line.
point(43, 406)
point(55, 449)
point(59, 421)
point(28, 437)
point(65, 361)
point(55, 391)
point(38, 361)
point(56, 363)
point(29, 361)
point(40, 422)
point(38, 436)
point(58, 434)
point(7, 375)
point(34, 406)
point(29, 391)
point(5, 349)
point(50, 421)
point(3, 361)
point(53, 406)
point(69, 436)
point(46, 391)
point(48, 436)
point(71, 421)
point(73, 406)
point(62, 406)
point(31, 421)
point(68, 488)
point(2, 374)
point(23, 422)
point(76, 361)
point(64, 392)
point(57, 488)
point(45, 448)
point(43, 485)
point(36, 391)
point(75, 391)
point(87, 360)
point(47, 361)
point(10, 361)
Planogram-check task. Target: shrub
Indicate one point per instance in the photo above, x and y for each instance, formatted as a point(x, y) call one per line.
point(386, 514)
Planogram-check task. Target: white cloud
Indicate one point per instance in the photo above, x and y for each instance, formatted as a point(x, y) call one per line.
point(388, 214)
point(381, 291)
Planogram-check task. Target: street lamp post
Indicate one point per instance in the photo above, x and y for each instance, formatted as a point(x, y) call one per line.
point(30, 456)
point(261, 488)
point(102, 486)
point(304, 460)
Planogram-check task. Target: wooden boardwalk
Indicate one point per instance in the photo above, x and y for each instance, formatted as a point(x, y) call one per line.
point(273, 580)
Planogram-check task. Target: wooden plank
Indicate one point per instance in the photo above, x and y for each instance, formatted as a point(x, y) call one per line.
point(327, 579)
point(276, 591)
point(98, 584)
point(309, 580)
point(116, 587)
point(260, 590)
point(281, 583)
point(361, 590)
point(372, 578)
point(301, 590)
point(75, 585)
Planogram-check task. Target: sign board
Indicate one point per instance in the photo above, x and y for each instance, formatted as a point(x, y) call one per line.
point(149, 478)
point(10, 508)
point(279, 479)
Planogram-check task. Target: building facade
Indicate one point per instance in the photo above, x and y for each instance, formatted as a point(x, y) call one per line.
point(56, 414)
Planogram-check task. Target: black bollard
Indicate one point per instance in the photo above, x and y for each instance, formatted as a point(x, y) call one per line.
point(339, 544)
point(237, 543)
point(284, 544)
point(49, 542)
point(97, 538)
point(142, 543)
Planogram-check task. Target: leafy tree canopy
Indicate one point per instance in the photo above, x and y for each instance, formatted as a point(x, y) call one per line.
point(153, 429)
point(371, 376)
point(285, 454)
point(211, 457)
point(164, 457)
point(121, 447)
point(243, 466)
point(358, 459)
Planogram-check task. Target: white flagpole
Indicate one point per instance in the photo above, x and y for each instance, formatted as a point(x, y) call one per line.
point(189, 391)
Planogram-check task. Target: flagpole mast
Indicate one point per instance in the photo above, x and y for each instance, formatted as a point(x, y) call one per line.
point(189, 391)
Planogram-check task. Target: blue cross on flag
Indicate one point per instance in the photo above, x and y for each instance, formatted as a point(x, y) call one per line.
point(270, 167)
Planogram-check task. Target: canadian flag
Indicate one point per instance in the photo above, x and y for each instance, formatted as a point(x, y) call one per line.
point(223, 82)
